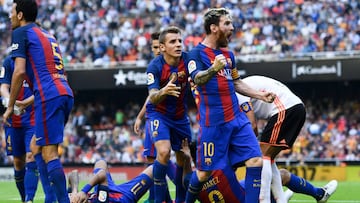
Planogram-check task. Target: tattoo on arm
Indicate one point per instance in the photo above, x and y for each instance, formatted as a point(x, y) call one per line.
point(156, 96)
point(204, 76)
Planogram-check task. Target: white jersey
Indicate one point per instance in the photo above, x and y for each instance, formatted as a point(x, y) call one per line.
point(263, 110)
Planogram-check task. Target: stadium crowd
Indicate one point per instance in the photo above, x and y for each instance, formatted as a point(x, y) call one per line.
point(105, 32)
point(331, 132)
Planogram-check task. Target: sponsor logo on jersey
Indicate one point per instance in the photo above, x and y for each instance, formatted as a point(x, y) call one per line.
point(191, 66)
point(150, 78)
point(102, 196)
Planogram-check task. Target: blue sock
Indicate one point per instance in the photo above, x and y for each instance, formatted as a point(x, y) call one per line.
point(44, 178)
point(252, 184)
point(171, 171)
point(187, 179)
point(151, 194)
point(194, 189)
point(31, 180)
point(57, 180)
point(300, 185)
point(160, 185)
point(180, 190)
point(19, 180)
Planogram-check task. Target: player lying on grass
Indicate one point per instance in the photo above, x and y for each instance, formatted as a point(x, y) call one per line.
point(106, 190)
point(222, 186)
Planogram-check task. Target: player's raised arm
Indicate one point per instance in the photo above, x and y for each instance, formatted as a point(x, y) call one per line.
point(204, 76)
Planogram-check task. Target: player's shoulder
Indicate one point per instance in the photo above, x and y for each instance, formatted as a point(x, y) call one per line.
point(24, 28)
point(155, 64)
point(185, 56)
point(197, 49)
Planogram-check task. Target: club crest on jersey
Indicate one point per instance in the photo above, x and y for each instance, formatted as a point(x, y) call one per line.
point(150, 78)
point(155, 133)
point(181, 75)
point(191, 66)
point(208, 161)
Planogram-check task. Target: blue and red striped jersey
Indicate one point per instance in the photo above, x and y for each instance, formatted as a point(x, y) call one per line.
point(218, 102)
point(159, 73)
point(28, 118)
point(44, 63)
point(222, 186)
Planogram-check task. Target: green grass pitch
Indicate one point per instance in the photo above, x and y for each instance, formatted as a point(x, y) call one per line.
point(347, 192)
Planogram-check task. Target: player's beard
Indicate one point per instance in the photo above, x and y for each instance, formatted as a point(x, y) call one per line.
point(223, 40)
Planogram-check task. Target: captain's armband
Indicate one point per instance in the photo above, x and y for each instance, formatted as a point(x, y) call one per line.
point(246, 107)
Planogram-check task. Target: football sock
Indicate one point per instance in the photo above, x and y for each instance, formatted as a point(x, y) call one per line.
point(160, 184)
point(151, 193)
point(48, 191)
point(19, 180)
point(300, 185)
point(266, 176)
point(57, 180)
point(276, 186)
point(252, 184)
point(147, 182)
point(171, 171)
point(187, 179)
point(31, 180)
point(180, 190)
point(194, 188)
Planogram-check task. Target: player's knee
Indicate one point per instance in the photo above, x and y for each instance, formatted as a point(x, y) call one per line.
point(203, 175)
point(285, 176)
point(163, 155)
point(35, 149)
point(101, 164)
point(49, 152)
point(254, 162)
point(29, 157)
